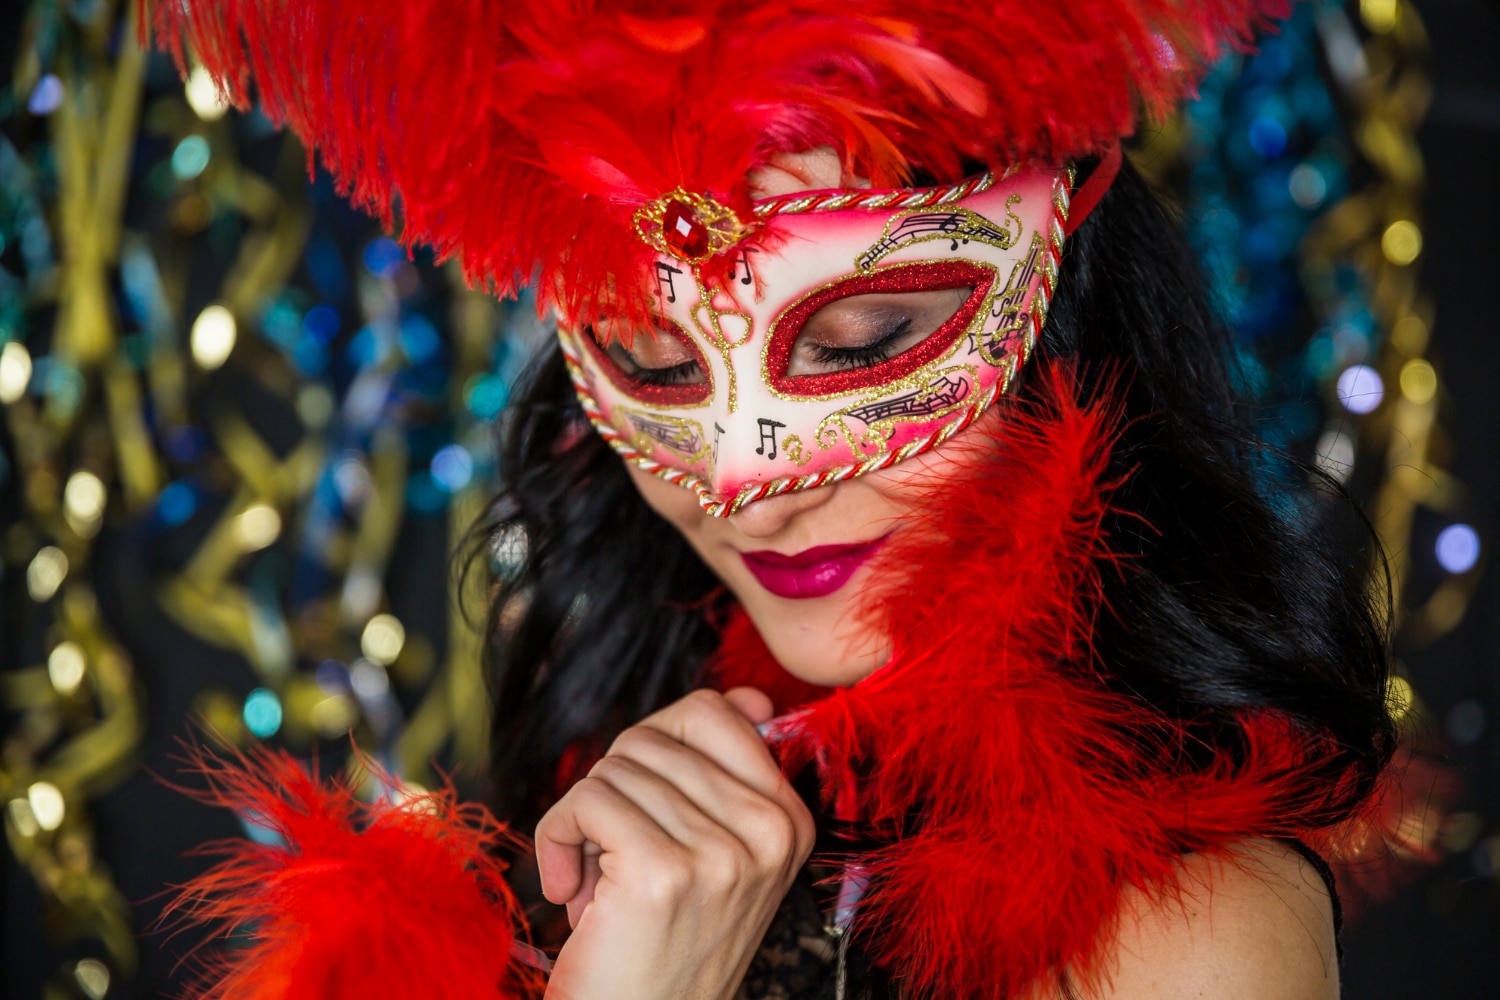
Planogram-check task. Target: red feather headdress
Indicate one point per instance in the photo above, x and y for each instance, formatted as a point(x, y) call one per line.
point(523, 137)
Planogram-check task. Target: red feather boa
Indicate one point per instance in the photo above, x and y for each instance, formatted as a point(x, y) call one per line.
point(522, 136)
point(354, 900)
point(1041, 795)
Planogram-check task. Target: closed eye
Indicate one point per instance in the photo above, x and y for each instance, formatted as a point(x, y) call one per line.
point(685, 373)
point(865, 332)
point(660, 366)
point(872, 329)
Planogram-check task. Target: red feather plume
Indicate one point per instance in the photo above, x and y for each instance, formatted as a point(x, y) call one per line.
point(521, 137)
point(1042, 795)
point(354, 900)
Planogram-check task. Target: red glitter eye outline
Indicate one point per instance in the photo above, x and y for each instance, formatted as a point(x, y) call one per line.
point(927, 276)
point(689, 394)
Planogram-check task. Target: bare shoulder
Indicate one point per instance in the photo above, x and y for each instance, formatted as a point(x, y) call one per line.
point(1256, 923)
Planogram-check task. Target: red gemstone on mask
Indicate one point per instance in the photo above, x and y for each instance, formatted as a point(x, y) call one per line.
point(683, 234)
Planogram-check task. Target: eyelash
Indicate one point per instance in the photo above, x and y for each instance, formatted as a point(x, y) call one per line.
point(863, 356)
point(675, 375)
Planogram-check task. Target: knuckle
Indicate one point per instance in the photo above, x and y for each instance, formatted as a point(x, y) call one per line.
point(622, 744)
point(609, 766)
point(588, 791)
point(663, 878)
point(725, 860)
point(705, 700)
point(803, 824)
point(634, 741)
point(775, 832)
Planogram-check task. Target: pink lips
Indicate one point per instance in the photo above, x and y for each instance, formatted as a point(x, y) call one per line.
point(815, 572)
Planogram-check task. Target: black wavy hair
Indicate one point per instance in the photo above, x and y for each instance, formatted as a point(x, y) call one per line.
point(1237, 595)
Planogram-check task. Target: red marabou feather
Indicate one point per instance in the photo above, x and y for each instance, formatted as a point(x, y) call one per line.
point(522, 136)
point(358, 900)
point(1041, 795)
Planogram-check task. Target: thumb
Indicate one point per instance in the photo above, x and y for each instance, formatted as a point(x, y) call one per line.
point(753, 704)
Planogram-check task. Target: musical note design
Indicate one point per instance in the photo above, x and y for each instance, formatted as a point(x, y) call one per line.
point(742, 260)
point(684, 436)
point(940, 394)
point(768, 432)
point(718, 432)
point(958, 226)
point(665, 271)
point(1011, 307)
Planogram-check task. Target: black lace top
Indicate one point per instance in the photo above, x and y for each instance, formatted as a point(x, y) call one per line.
point(799, 959)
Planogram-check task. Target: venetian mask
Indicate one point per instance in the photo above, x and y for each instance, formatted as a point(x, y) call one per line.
point(856, 329)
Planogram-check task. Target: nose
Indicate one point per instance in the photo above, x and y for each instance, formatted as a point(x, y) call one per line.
point(766, 518)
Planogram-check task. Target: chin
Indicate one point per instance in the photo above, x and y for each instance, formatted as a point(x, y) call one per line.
point(814, 641)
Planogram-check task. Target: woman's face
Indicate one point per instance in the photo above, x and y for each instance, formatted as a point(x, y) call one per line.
point(800, 562)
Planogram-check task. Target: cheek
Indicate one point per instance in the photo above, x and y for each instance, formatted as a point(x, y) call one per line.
point(673, 504)
point(904, 486)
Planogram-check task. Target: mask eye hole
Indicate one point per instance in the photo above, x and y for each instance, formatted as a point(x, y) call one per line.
point(871, 329)
point(661, 366)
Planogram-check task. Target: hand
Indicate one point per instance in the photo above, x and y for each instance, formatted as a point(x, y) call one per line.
point(673, 854)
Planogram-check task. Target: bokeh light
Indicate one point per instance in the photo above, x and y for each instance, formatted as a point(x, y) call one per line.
point(177, 503)
point(1360, 389)
point(351, 477)
point(213, 336)
point(203, 95)
point(1457, 548)
point(46, 572)
point(66, 666)
point(92, 977)
point(15, 371)
point(383, 257)
point(453, 467)
point(1307, 186)
point(46, 97)
point(382, 639)
point(262, 712)
point(1334, 455)
point(258, 526)
point(190, 158)
point(1418, 381)
point(83, 503)
point(1402, 242)
point(1379, 15)
point(1268, 137)
point(47, 804)
point(369, 681)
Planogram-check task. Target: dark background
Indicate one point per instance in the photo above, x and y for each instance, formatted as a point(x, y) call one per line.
point(1437, 937)
point(1440, 937)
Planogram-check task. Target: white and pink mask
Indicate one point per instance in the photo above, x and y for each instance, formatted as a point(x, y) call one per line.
point(859, 328)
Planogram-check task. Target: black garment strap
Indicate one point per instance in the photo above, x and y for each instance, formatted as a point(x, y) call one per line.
point(1325, 872)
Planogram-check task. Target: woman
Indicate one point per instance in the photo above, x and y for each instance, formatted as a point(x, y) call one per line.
point(1220, 602)
point(1053, 645)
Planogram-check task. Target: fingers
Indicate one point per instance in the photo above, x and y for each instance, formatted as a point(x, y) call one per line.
point(693, 799)
point(596, 814)
point(711, 724)
point(694, 779)
point(722, 729)
point(592, 871)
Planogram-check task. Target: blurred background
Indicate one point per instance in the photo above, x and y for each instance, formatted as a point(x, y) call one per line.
point(246, 440)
